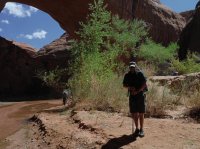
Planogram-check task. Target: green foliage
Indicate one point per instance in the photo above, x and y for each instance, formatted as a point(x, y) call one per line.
point(53, 78)
point(103, 39)
point(95, 29)
point(157, 53)
point(127, 33)
point(187, 66)
point(94, 66)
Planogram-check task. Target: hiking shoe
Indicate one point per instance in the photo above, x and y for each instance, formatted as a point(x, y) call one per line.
point(141, 133)
point(137, 131)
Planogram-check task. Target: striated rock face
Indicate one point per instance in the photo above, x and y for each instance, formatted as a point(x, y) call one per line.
point(190, 36)
point(55, 54)
point(18, 65)
point(59, 44)
point(187, 15)
point(165, 24)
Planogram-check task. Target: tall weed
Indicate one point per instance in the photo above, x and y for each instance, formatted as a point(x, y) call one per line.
point(159, 98)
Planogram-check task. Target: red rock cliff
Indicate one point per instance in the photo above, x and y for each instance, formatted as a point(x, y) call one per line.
point(190, 37)
point(18, 65)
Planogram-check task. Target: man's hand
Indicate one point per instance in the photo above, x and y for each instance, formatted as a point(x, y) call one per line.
point(133, 91)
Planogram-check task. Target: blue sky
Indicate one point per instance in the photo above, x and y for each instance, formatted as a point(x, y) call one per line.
point(180, 5)
point(29, 25)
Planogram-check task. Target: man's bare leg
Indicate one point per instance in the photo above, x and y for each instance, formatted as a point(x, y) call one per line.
point(141, 116)
point(135, 118)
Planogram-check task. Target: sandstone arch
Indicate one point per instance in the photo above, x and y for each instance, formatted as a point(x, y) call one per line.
point(165, 24)
point(65, 12)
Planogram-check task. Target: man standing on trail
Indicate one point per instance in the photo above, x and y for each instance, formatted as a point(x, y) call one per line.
point(135, 81)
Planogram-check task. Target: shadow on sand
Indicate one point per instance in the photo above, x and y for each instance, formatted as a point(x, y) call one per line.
point(117, 143)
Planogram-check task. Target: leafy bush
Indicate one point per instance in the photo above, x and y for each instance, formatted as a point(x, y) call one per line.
point(157, 53)
point(54, 78)
point(127, 33)
point(103, 39)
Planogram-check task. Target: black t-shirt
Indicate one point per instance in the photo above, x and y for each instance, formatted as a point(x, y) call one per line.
point(135, 80)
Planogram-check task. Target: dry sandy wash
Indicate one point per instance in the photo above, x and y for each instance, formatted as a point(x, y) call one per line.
point(59, 128)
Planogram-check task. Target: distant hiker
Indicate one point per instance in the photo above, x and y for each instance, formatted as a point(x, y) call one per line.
point(175, 73)
point(197, 5)
point(67, 94)
point(136, 83)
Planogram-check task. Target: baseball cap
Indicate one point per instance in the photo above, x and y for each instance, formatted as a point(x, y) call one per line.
point(132, 64)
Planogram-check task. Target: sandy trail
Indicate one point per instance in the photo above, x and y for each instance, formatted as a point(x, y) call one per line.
point(13, 116)
point(61, 128)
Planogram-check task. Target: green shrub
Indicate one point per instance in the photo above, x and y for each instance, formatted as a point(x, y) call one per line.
point(127, 33)
point(103, 39)
point(54, 78)
point(157, 53)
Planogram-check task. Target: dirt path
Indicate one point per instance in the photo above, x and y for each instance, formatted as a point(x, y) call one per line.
point(59, 129)
point(13, 116)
